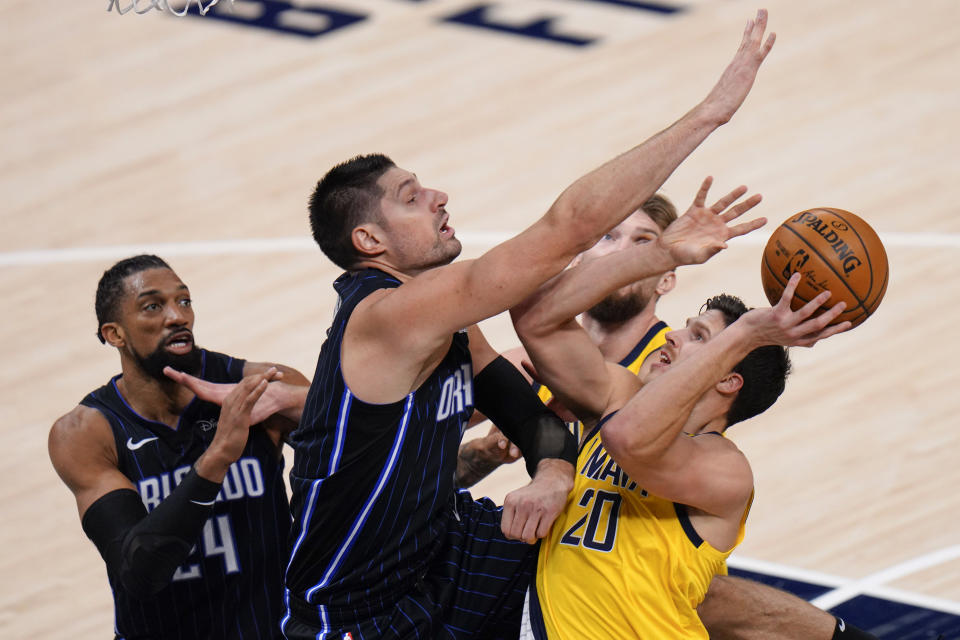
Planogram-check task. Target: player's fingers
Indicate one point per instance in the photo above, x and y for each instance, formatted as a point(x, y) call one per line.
point(820, 322)
point(546, 521)
point(728, 199)
point(701, 198)
point(744, 228)
point(506, 518)
point(789, 290)
point(811, 307)
point(767, 46)
point(173, 374)
point(529, 532)
point(742, 208)
point(253, 395)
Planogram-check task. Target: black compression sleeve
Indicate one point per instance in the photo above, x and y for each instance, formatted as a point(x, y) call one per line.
point(505, 396)
point(846, 631)
point(144, 550)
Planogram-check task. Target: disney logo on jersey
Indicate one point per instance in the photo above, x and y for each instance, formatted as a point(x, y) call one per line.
point(244, 479)
point(207, 425)
point(456, 395)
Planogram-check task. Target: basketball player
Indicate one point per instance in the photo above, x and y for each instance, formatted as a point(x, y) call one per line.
point(625, 328)
point(659, 500)
point(395, 551)
point(184, 500)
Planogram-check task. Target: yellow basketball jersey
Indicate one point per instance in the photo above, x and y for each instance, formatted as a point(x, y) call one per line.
point(650, 342)
point(620, 563)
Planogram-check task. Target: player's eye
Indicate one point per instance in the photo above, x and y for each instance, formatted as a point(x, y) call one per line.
point(151, 306)
point(186, 302)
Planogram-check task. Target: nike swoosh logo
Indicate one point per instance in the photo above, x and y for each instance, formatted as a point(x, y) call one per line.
point(204, 504)
point(133, 446)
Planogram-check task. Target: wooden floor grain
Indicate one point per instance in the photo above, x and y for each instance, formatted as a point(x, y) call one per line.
point(125, 133)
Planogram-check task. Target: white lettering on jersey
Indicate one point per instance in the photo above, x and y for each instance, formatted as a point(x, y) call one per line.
point(457, 393)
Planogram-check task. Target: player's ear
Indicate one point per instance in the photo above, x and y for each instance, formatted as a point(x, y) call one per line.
point(730, 384)
point(368, 239)
point(667, 282)
point(113, 334)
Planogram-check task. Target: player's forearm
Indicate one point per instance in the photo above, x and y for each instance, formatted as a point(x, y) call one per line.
point(144, 550)
point(652, 419)
point(604, 197)
point(575, 290)
point(472, 465)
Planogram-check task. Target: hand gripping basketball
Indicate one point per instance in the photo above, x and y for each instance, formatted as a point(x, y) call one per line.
point(783, 326)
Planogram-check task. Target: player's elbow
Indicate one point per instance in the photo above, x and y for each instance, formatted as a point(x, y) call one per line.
point(623, 440)
point(573, 223)
point(148, 563)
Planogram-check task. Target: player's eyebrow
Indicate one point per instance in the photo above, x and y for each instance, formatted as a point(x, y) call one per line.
point(156, 292)
point(405, 183)
point(698, 323)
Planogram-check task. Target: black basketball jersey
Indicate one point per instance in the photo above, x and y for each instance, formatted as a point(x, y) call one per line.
point(373, 484)
point(231, 586)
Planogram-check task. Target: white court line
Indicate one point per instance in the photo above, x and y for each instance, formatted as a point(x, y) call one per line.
point(880, 578)
point(871, 585)
point(304, 243)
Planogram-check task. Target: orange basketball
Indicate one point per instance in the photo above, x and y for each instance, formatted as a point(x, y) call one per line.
point(833, 250)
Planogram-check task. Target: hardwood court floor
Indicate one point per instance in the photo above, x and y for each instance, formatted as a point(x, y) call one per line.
point(124, 133)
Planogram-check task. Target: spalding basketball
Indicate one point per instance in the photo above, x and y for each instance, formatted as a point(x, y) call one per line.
point(833, 250)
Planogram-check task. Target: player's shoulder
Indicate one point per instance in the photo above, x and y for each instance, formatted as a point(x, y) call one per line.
point(623, 385)
point(80, 430)
point(81, 422)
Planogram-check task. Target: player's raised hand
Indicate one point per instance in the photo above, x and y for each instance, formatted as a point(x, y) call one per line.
point(703, 231)
point(801, 328)
point(233, 426)
point(269, 403)
point(737, 79)
point(529, 512)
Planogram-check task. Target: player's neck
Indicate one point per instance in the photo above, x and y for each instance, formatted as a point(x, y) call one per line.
point(151, 398)
point(616, 341)
point(400, 273)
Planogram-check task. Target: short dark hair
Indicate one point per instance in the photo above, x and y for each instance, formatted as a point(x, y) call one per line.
point(344, 198)
point(110, 289)
point(660, 210)
point(764, 370)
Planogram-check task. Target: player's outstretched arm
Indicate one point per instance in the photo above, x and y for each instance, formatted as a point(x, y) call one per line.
point(646, 436)
point(444, 300)
point(566, 359)
point(144, 550)
point(285, 395)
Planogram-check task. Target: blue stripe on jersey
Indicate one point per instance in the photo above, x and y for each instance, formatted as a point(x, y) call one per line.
point(341, 431)
point(123, 425)
point(315, 485)
point(362, 517)
point(642, 344)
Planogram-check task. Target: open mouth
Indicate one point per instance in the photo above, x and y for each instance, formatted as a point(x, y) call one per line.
point(180, 342)
point(663, 358)
point(446, 230)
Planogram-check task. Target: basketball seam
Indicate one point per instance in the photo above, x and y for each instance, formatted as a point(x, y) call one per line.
point(829, 266)
point(883, 290)
point(866, 251)
point(840, 318)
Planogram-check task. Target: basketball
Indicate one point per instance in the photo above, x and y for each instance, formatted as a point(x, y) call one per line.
point(833, 250)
